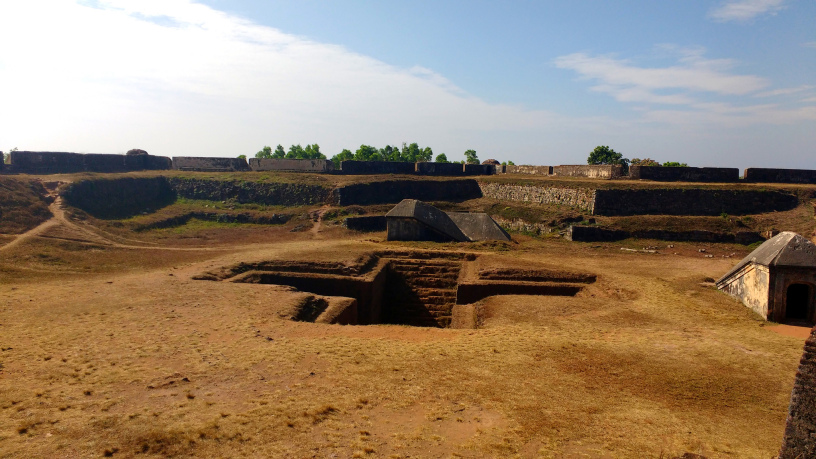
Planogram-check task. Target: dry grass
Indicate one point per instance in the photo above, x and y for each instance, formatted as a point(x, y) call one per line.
point(136, 358)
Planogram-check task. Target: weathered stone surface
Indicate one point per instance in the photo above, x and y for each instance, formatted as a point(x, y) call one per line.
point(684, 174)
point(394, 191)
point(479, 169)
point(297, 165)
point(529, 170)
point(478, 226)
point(581, 198)
point(764, 175)
point(800, 440)
point(413, 220)
point(376, 167)
point(691, 201)
point(207, 164)
point(46, 162)
point(597, 234)
point(428, 168)
point(603, 171)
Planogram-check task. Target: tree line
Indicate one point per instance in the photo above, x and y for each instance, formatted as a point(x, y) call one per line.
point(412, 153)
point(602, 154)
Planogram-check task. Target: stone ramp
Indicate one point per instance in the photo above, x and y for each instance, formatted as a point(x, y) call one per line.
point(479, 226)
point(413, 220)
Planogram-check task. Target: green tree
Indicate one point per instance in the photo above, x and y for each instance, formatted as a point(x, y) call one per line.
point(441, 158)
point(279, 153)
point(674, 164)
point(470, 157)
point(312, 152)
point(266, 152)
point(643, 162)
point(605, 155)
point(367, 153)
point(345, 155)
point(242, 157)
point(295, 152)
point(390, 153)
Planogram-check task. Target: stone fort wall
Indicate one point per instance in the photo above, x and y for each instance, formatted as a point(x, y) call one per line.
point(799, 440)
point(684, 174)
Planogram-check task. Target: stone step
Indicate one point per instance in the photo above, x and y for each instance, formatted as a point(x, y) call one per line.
point(420, 263)
point(431, 282)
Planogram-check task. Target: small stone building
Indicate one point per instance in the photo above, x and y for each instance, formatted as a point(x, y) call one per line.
point(777, 280)
point(413, 220)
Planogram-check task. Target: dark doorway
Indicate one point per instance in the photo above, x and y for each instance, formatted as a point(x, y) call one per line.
point(797, 302)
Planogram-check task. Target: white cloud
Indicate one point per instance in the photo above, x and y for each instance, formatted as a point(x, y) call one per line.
point(745, 10)
point(627, 82)
point(810, 44)
point(785, 91)
point(194, 80)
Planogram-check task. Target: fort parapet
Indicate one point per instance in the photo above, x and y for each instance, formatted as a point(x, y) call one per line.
point(376, 167)
point(296, 165)
point(440, 169)
point(763, 175)
point(206, 164)
point(529, 170)
point(603, 171)
point(684, 174)
point(52, 162)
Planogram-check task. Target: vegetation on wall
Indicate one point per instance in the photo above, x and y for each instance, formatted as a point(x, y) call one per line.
point(602, 154)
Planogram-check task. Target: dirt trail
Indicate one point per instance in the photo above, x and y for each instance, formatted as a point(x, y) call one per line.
point(72, 231)
point(319, 222)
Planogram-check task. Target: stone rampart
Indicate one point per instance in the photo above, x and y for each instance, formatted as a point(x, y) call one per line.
point(581, 198)
point(691, 201)
point(120, 197)
point(529, 170)
point(603, 171)
point(599, 234)
point(799, 440)
point(394, 191)
point(684, 174)
point(204, 164)
point(754, 174)
point(376, 167)
point(440, 169)
point(480, 169)
point(273, 194)
point(297, 165)
point(47, 162)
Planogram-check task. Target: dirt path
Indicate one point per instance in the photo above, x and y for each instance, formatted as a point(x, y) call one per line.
point(319, 222)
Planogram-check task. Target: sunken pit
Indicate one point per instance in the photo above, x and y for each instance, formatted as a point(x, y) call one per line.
point(404, 287)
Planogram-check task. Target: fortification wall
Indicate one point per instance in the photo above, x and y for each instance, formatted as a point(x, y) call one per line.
point(367, 223)
point(46, 162)
point(376, 167)
point(49, 162)
point(691, 201)
point(120, 197)
point(597, 234)
point(684, 174)
point(529, 170)
point(453, 169)
point(201, 164)
point(282, 194)
point(297, 165)
point(480, 169)
point(604, 171)
point(799, 441)
point(581, 198)
point(754, 174)
point(394, 191)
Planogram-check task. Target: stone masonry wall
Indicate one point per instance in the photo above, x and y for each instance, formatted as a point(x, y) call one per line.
point(606, 171)
point(754, 174)
point(300, 165)
point(581, 198)
point(429, 168)
point(191, 163)
point(684, 174)
point(530, 170)
point(376, 167)
point(799, 440)
point(691, 201)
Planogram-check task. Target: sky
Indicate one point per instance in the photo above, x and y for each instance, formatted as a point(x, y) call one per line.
point(729, 83)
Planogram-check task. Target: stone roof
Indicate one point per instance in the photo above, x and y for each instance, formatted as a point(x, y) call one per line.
point(429, 215)
point(784, 249)
point(478, 226)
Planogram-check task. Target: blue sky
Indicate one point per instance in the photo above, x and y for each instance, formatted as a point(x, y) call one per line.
point(716, 83)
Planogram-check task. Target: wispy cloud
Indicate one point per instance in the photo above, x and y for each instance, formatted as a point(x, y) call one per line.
point(693, 73)
point(701, 90)
point(745, 10)
point(196, 80)
point(810, 44)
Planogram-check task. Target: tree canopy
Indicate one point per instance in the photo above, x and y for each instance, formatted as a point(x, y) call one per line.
point(643, 162)
point(441, 158)
point(674, 164)
point(470, 157)
point(604, 155)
